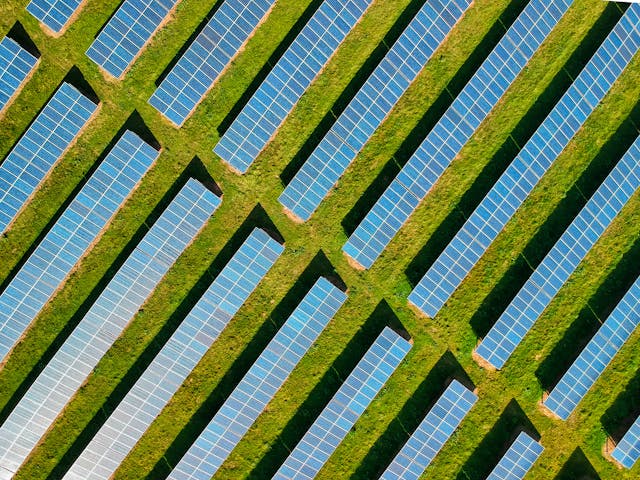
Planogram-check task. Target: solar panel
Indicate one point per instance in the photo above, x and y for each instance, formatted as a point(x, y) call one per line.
point(16, 64)
point(122, 39)
point(265, 377)
point(595, 357)
point(432, 433)
point(520, 457)
point(175, 361)
point(263, 114)
point(50, 135)
point(72, 236)
point(54, 14)
point(109, 315)
point(371, 105)
point(535, 158)
point(453, 130)
point(627, 451)
point(565, 256)
point(207, 58)
point(346, 406)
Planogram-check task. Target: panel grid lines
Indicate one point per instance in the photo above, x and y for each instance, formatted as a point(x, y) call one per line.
point(16, 64)
point(109, 315)
point(346, 406)
point(518, 460)
point(267, 109)
point(627, 451)
point(39, 149)
point(453, 130)
point(521, 176)
point(55, 14)
point(371, 105)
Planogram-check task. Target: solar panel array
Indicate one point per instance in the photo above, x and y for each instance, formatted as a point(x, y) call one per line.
point(453, 130)
point(518, 460)
point(263, 114)
point(122, 39)
point(595, 357)
point(38, 150)
point(71, 237)
point(371, 105)
point(562, 260)
point(104, 322)
point(627, 451)
point(535, 158)
point(432, 433)
point(55, 14)
point(16, 64)
point(346, 406)
point(177, 358)
point(258, 387)
point(208, 56)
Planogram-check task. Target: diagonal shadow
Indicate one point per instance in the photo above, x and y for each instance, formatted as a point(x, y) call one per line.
point(577, 467)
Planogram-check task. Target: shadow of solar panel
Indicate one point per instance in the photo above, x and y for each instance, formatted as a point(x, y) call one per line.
point(52, 132)
point(104, 322)
point(209, 55)
point(627, 451)
point(16, 64)
point(177, 358)
point(453, 130)
point(371, 105)
point(71, 237)
point(521, 176)
point(346, 406)
point(122, 39)
point(432, 433)
point(54, 14)
point(518, 460)
point(260, 384)
point(597, 355)
point(266, 110)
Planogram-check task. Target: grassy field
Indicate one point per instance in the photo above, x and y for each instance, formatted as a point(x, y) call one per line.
point(442, 346)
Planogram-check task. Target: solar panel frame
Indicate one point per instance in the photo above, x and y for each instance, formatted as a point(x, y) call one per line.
point(127, 33)
point(177, 358)
point(103, 323)
point(45, 142)
point(518, 460)
point(55, 15)
point(299, 66)
point(71, 237)
point(370, 106)
point(16, 67)
point(432, 433)
point(261, 382)
point(207, 58)
point(627, 451)
point(453, 130)
point(343, 410)
point(532, 162)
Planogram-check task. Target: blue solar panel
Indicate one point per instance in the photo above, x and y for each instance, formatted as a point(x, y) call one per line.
point(453, 130)
point(55, 14)
point(260, 384)
point(207, 58)
point(520, 457)
point(16, 64)
point(346, 406)
point(182, 352)
point(71, 237)
point(597, 355)
point(109, 315)
point(432, 433)
point(43, 144)
point(263, 114)
point(627, 451)
point(122, 39)
point(565, 256)
point(537, 156)
point(371, 105)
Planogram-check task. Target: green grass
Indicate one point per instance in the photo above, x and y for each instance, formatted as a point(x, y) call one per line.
point(386, 281)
